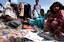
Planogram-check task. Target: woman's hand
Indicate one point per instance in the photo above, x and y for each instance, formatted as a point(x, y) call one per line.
point(54, 23)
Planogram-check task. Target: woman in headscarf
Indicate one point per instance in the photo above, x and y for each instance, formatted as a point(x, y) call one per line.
point(55, 20)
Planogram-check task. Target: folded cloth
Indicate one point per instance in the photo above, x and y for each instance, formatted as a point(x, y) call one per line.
point(33, 36)
point(3, 39)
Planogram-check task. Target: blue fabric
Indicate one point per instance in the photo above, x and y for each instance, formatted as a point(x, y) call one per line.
point(31, 22)
point(38, 22)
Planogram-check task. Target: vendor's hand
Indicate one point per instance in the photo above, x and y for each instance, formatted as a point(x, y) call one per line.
point(54, 22)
